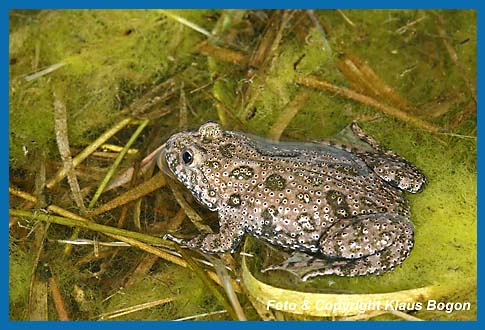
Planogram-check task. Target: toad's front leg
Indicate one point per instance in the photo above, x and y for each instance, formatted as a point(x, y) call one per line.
point(227, 240)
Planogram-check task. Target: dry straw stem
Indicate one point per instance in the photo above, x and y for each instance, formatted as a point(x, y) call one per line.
point(365, 79)
point(153, 99)
point(127, 175)
point(142, 268)
point(60, 117)
point(346, 18)
point(117, 162)
point(222, 54)
point(86, 224)
point(60, 120)
point(192, 317)
point(287, 115)
point(404, 316)
point(186, 22)
point(58, 300)
point(133, 241)
point(137, 214)
point(223, 300)
point(43, 72)
point(38, 288)
point(104, 183)
point(115, 148)
point(314, 82)
point(136, 308)
point(228, 288)
point(38, 306)
point(155, 182)
point(89, 150)
point(169, 257)
point(183, 111)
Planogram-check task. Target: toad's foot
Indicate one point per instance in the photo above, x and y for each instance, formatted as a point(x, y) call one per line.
point(306, 266)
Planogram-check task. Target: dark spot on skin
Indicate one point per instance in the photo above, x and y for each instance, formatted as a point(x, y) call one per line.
point(234, 200)
point(367, 202)
point(347, 268)
point(215, 244)
point(342, 212)
point(269, 213)
point(242, 173)
point(337, 202)
point(304, 197)
point(349, 170)
point(213, 164)
point(266, 215)
point(227, 150)
point(334, 196)
point(275, 182)
point(306, 222)
point(268, 229)
point(316, 181)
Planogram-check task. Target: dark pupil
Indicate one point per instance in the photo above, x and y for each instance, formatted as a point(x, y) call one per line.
point(187, 157)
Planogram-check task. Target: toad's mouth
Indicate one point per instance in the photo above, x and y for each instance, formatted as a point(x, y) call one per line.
point(163, 165)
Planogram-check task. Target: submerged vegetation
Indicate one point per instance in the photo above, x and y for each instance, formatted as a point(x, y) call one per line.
point(93, 88)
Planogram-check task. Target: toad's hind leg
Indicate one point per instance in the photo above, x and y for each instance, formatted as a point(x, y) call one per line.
point(367, 244)
point(363, 245)
point(365, 235)
point(389, 166)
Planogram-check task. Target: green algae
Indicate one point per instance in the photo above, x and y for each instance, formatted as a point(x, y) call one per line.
point(168, 282)
point(110, 57)
point(20, 269)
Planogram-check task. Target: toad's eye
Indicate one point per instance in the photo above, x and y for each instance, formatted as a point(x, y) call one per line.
point(187, 157)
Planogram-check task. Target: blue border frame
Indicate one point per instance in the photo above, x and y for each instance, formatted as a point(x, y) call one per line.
point(238, 4)
point(342, 4)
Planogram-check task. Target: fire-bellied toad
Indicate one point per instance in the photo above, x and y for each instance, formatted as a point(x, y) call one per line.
point(340, 209)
